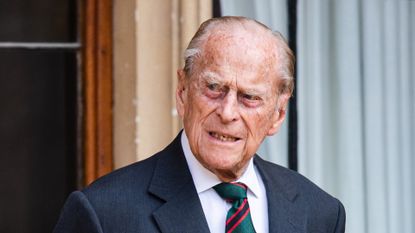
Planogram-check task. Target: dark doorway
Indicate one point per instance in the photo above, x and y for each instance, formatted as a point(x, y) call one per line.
point(39, 70)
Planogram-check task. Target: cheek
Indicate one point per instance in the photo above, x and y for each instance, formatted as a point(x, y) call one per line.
point(196, 112)
point(191, 106)
point(258, 124)
point(200, 106)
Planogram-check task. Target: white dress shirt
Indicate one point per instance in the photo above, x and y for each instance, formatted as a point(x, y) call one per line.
point(214, 207)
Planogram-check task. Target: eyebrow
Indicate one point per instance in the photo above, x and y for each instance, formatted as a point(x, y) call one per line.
point(210, 76)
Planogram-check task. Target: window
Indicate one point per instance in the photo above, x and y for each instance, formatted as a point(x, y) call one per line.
point(55, 98)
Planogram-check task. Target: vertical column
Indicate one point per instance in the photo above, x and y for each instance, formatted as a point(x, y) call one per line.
point(150, 37)
point(98, 89)
point(153, 92)
point(125, 73)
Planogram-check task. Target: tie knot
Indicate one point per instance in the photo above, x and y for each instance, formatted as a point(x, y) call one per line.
point(231, 191)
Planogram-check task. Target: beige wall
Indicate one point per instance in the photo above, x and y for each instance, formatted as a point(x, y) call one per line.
point(149, 39)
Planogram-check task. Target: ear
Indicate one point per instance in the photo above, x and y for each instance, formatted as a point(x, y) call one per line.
point(181, 92)
point(279, 114)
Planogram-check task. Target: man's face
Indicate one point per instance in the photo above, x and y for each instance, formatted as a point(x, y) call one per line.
point(228, 106)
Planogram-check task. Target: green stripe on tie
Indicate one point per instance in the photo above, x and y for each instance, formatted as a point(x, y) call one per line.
point(238, 219)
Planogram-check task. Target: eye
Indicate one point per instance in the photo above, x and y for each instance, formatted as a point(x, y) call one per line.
point(250, 100)
point(213, 90)
point(213, 86)
point(251, 97)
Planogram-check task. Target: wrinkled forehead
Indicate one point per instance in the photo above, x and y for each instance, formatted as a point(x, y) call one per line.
point(241, 47)
point(246, 41)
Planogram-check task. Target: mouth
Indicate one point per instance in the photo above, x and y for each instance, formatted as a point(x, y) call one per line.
point(223, 137)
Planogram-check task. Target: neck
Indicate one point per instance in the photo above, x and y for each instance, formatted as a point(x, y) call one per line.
point(230, 175)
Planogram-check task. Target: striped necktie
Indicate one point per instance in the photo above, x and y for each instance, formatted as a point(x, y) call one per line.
point(238, 219)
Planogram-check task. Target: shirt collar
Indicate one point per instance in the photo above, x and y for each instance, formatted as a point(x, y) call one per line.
point(205, 179)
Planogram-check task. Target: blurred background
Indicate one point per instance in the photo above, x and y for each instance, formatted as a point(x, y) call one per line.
point(87, 86)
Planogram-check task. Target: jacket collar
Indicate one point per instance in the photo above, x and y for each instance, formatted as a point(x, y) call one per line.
point(281, 194)
point(172, 182)
point(182, 210)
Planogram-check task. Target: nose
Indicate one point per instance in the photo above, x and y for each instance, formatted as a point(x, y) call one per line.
point(228, 109)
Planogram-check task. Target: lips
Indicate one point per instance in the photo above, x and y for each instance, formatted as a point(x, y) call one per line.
point(223, 137)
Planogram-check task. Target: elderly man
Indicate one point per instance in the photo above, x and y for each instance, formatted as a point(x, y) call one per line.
point(231, 94)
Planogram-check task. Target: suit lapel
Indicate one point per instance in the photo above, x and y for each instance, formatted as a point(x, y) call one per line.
point(182, 211)
point(172, 182)
point(282, 215)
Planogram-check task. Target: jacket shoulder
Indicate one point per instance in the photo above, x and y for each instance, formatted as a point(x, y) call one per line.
point(124, 178)
point(293, 182)
point(320, 211)
point(121, 200)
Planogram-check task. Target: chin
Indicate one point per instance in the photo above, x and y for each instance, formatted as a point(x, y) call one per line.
point(228, 173)
point(220, 160)
point(224, 165)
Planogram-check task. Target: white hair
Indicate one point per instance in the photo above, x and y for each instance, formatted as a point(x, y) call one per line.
point(284, 55)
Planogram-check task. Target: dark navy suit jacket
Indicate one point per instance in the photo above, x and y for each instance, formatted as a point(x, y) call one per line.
point(158, 195)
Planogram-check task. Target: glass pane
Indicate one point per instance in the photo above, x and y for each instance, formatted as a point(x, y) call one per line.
point(37, 137)
point(38, 21)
